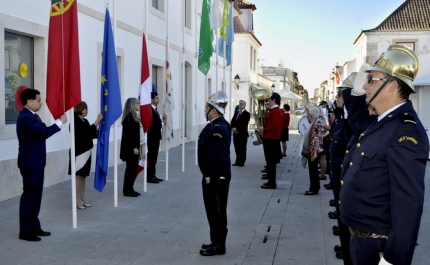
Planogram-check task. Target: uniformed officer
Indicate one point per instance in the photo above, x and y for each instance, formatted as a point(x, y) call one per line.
point(381, 199)
point(215, 165)
point(340, 134)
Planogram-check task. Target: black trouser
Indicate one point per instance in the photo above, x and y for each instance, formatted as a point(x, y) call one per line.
point(271, 153)
point(240, 143)
point(344, 241)
point(130, 174)
point(153, 147)
point(313, 176)
point(365, 251)
point(215, 196)
point(31, 198)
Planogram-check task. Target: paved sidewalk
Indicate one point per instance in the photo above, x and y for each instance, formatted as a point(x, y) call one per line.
point(167, 224)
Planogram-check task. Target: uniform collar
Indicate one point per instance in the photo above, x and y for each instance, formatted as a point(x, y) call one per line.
point(380, 117)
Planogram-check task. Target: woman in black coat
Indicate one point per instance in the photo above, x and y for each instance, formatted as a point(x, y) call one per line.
point(130, 143)
point(84, 135)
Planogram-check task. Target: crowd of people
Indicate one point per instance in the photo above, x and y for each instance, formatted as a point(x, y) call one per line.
point(370, 139)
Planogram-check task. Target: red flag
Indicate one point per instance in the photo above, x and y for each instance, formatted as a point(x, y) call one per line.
point(63, 80)
point(145, 90)
point(337, 78)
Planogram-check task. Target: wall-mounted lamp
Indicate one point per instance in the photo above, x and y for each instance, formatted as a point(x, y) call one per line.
point(273, 87)
point(237, 80)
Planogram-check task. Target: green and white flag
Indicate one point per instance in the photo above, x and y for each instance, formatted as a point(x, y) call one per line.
point(206, 38)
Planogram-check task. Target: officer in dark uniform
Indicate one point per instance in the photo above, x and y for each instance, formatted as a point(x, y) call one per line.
point(382, 196)
point(215, 165)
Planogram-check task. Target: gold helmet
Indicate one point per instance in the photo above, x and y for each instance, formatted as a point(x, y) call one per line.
point(398, 61)
point(218, 100)
point(349, 81)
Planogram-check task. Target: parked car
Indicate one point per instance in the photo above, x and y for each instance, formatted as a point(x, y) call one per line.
point(300, 110)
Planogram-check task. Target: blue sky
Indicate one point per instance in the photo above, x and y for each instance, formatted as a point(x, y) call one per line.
point(311, 36)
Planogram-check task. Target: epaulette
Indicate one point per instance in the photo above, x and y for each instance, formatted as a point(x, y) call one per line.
point(409, 118)
point(217, 134)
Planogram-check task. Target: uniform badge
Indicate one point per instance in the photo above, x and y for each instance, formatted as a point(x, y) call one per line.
point(217, 134)
point(408, 138)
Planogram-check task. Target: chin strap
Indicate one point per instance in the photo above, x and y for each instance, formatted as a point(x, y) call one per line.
point(207, 113)
point(380, 89)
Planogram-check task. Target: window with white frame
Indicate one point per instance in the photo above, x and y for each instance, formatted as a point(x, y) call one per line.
point(187, 14)
point(18, 65)
point(209, 88)
point(158, 4)
point(250, 57)
point(410, 45)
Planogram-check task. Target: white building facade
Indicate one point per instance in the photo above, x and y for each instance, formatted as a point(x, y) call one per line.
point(24, 38)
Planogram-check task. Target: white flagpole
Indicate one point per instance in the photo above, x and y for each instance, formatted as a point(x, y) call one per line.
point(216, 53)
point(224, 62)
point(231, 62)
point(146, 138)
point(145, 171)
point(183, 97)
point(195, 82)
point(165, 80)
point(73, 168)
point(115, 134)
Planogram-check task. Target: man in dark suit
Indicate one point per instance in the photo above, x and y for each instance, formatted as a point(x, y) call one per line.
point(154, 137)
point(239, 126)
point(32, 134)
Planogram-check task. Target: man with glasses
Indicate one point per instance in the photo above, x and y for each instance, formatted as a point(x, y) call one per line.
point(382, 194)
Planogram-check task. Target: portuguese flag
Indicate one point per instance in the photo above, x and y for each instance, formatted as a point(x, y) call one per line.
point(63, 81)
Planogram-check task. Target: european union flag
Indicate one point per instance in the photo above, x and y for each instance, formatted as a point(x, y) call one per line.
point(110, 103)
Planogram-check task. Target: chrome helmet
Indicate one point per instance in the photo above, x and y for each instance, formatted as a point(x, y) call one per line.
point(349, 81)
point(219, 101)
point(398, 61)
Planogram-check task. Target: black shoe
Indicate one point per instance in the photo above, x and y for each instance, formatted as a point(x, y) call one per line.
point(310, 193)
point(138, 193)
point(152, 180)
point(337, 248)
point(335, 227)
point(264, 176)
point(325, 185)
point(32, 238)
point(157, 179)
point(264, 171)
point(40, 232)
point(235, 164)
point(213, 249)
point(332, 203)
point(336, 232)
point(240, 165)
point(268, 186)
point(334, 216)
point(339, 255)
point(329, 187)
point(323, 178)
point(206, 246)
point(130, 194)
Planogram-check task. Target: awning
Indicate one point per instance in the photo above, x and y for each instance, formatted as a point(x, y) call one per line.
point(286, 94)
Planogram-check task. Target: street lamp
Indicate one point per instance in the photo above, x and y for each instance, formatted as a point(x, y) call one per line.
point(237, 81)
